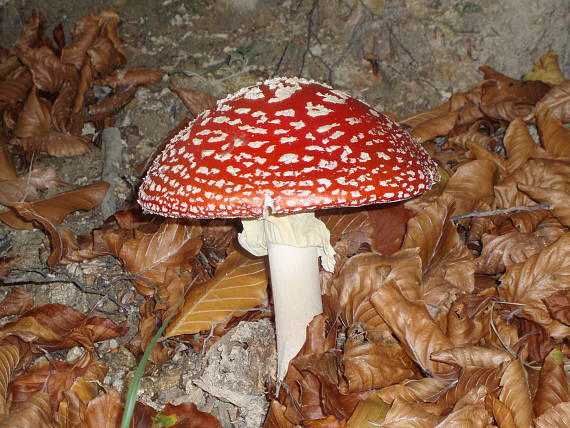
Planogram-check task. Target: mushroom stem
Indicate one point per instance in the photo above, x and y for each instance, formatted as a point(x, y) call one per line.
point(296, 297)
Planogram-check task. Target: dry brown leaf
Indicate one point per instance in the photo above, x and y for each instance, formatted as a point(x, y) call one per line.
point(35, 118)
point(57, 207)
point(25, 188)
point(408, 415)
point(7, 166)
point(515, 394)
point(558, 305)
point(553, 384)
point(57, 144)
point(156, 259)
point(389, 227)
point(502, 414)
point(138, 76)
point(111, 104)
point(518, 92)
point(447, 265)
point(105, 57)
point(195, 101)
point(481, 153)
point(469, 411)
point(415, 329)
point(471, 182)
point(556, 417)
point(557, 101)
point(9, 358)
point(559, 201)
point(240, 282)
point(554, 136)
point(472, 135)
point(499, 252)
point(187, 415)
point(471, 378)
point(548, 173)
point(425, 389)
point(417, 118)
point(435, 127)
point(370, 409)
point(468, 320)
point(353, 227)
point(15, 89)
point(35, 412)
point(17, 301)
point(546, 70)
point(472, 356)
point(538, 277)
point(519, 145)
point(374, 360)
point(363, 274)
point(104, 411)
point(48, 72)
point(276, 416)
point(508, 110)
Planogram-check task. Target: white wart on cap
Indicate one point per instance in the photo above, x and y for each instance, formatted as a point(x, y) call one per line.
point(289, 144)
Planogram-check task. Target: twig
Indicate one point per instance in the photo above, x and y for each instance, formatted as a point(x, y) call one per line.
point(61, 279)
point(500, 212)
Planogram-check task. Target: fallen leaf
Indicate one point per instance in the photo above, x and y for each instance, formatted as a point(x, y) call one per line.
point(104, 56)
point(15, 89)
point(546, 70)
point(187, 415)
point(35, 412)
point(471, 378)
point(370, 409)
point(538, 277)
point(57, 207)
point(389, 227)
point(35, 117)
point(56, 144)
point(138, 76)
point(240, 282)
point(435, 127)
point(411, 390)
point(48, 72)
point(558, 305)
point(502, 414)
point(104, 411)
point(552, 385)
point(415, 329)
point(556, 417)
point(469, 411)
point(472, 356)
point(553, 135)
point(406, 415)
point(9, 358)
point(17, 301)
point(112, 104)
point(519, 145)
point(195, 101)
point(557, 101)
point(276, 416)
point(515, 394)
point(417, 118)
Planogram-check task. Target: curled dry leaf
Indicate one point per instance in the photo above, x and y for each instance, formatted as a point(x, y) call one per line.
point(515, 394)
point(471, 182)
point(353, 227)
point(425, 389)
point(518, 92)
point(501, 413)
point(56, 208)
point(558, 305)
point(538, 277)
point(481, 153)
point(156, 259)
point(363, 274)
point(374, 360)
point(552, 385)
point(138, 76)
point(435, 127)
point(548, 173)
point(415, 329)
point(14, 89)
point(48, 72)
point(472, 356)
point(369, 409)
point(188, 416)
point(240, 282)
point(473, 135)
point(417, 118)
point(56, 144)
point(447, 265)
point(389, 227)
point(519, 145)
point(9, 358)
point(104, 411)
point(407, 415)
point(111, 104)
point(557, 101)
point(555, 417)
point(35, 412)
point(469, 411)
point(25, 188)
point(105, 57)
point(559, 201)
point(276, 416)
point(499, 252)
point(471, 378)
point(195, 101)
point(35, 118)
point(546, 70)
point(468, 320)
point(553, 135)
point(17, 301)
point(508, 110)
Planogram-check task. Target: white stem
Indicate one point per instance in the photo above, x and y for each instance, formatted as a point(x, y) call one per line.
point(296, 297)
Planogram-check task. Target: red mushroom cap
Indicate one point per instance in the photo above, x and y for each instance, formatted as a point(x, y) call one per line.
point(289, 144)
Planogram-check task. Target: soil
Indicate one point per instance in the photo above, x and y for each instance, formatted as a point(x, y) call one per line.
point(419, 52)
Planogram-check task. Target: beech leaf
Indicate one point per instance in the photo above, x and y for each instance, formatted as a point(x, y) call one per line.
point(515, 394)
point(104, 411)
point(240, 282)
point(555, 417)
point(9, 358)
point(557, 101)
point(552, 385)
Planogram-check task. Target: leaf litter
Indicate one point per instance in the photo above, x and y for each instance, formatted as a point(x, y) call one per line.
point(448, 310)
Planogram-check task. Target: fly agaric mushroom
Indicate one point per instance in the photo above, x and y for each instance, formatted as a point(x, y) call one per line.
point(273, 153)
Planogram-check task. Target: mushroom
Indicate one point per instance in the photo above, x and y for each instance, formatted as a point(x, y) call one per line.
point(272, 154)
